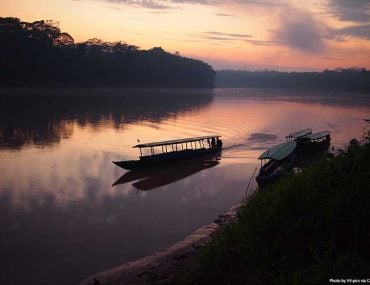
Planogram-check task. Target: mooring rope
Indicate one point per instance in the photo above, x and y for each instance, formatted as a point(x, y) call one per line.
point(249, 183)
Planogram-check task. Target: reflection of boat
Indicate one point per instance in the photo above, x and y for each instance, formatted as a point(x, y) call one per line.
point(280, 159)
point(152, 177)
point(173, 150)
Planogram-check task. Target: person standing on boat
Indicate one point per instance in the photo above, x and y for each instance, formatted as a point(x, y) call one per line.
point(213, 142)
point(219, 143)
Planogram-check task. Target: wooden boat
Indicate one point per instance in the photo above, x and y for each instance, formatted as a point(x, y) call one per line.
point(172, 150)
point(299, 134)
point(152, 177)
point(294, 152)
point(313, 143)
point(280, 159)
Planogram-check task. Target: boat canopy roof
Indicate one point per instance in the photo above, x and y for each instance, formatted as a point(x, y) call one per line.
point(279, 151)
point(318, 135)
point(178, 141)
point(301, 133)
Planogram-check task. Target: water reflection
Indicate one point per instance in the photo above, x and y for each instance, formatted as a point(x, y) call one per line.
point(153, 177)
point(61, 220)
point(61, 243)
point(331, 99)
point(44, 117)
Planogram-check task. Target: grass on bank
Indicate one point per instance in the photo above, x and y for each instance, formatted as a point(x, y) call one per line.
point(307, 229)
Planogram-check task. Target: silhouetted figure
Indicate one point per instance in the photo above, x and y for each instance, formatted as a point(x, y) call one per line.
point(213, 142)
point(219, 143)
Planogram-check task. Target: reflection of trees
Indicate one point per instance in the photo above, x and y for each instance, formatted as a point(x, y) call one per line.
point(327, 98)
point(41, 133)
point(63, 242)
point(44, 117)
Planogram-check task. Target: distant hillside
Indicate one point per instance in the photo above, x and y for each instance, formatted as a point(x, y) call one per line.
point(347, 80)
point(38, 54)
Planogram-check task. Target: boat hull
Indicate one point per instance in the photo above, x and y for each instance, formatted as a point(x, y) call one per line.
point(153, 177)
point(309, 148)
point(154, 160)
point(306, 151)
point(272, 171)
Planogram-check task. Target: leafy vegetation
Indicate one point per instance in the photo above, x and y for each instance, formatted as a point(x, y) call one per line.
point(349, 80)
point(310, 227)
point(39, 54)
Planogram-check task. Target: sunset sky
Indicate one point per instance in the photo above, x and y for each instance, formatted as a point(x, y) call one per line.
point(236, 34)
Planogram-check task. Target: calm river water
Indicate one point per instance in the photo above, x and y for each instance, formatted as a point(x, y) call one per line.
point(60, 217)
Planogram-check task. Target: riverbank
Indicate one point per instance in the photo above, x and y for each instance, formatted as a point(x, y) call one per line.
point(162, 267)
point(311, 227)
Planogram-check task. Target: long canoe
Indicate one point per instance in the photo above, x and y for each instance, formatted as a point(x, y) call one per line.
point(172, 150)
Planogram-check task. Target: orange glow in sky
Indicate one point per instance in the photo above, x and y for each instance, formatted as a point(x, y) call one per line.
point(235, 34)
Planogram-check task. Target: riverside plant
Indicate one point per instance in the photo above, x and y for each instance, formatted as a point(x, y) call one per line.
point(312, 226)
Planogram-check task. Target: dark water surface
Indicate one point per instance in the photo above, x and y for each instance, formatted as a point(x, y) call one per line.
point(60, 217)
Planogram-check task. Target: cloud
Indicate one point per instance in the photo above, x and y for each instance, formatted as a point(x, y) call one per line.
point(234, 36)
point(225, 15)
point(357, 31)
point(333, 58)
point(170, 4)
point(299, 30)
point(353, 11)
point(214, 37)
point(205, 2)
point(226, 2)
point(261, 43)
point(149, 4)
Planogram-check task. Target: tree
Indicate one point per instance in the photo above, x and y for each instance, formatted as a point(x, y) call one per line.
point(39, 54)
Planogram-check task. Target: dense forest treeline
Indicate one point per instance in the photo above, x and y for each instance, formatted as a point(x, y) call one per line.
point(38, 54)
point(348, 80)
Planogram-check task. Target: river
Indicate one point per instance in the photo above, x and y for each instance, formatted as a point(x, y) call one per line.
point(61, 218)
